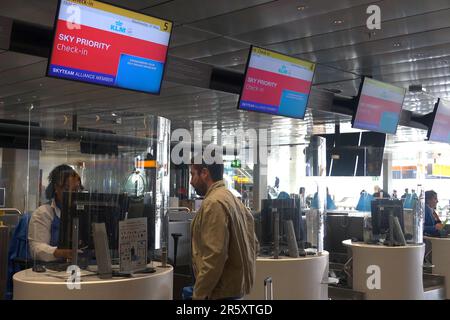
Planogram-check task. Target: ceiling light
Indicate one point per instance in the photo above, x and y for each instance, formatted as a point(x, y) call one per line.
point(236, 58)
point(338, 21)
point(397, 44)
point(114, 114)
point(301, 8)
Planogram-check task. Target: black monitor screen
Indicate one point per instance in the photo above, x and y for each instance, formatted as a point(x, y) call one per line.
point(355, 154)
point(91, 208)
point(381, 210)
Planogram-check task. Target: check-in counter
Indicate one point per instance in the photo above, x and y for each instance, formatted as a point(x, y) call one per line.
point(441, 259)
point(383, 272)
point(52, 285)
point(292, 278)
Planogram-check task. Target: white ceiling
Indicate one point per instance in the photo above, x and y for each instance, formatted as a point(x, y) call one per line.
point(412, 47)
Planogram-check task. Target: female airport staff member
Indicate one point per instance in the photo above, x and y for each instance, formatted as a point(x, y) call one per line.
point(43, 230)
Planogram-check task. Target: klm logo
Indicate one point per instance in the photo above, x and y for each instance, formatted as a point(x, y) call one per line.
point(118, 27)
point(283, 70)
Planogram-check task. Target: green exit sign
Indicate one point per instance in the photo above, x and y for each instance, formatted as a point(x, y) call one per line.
point(236, 163)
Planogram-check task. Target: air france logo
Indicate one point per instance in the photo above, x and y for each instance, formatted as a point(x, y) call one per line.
point(118, 27)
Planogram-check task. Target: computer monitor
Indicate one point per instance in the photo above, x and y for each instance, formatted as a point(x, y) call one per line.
point(91, 208)
point(103, 44)
point(381, 210)
point(288, 210)
point(379, 106)
point(439, 130)
point(276, 84)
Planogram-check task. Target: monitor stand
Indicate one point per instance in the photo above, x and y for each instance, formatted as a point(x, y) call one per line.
point(396, 237)
point(75, 228)
point(102, 251)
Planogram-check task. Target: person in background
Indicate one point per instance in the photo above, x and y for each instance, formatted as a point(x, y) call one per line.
point(43, 230)
point(414, 194)
point(277, 183)
point(302, 197)
point(379, 193)
point(394, 194)
point(405, 195)
point(433, 224)
point(224, 244)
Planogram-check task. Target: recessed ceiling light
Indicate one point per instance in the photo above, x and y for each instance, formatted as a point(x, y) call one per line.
point(338, 21)
point(236, 58)
point(301, 8)
point(397, 44)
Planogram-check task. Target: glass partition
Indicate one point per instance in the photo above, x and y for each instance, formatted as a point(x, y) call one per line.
point(100, 168)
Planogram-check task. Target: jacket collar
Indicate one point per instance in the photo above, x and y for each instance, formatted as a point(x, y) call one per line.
point(55, 208)
point(214, 186)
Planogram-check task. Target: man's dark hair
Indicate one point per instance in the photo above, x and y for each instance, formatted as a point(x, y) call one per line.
point(215, 169)
point(429, 195)
point(58, 176)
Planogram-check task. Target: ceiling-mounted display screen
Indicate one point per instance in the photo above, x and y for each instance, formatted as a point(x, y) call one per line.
point(379, 107)
point(103, 44)
point(440, 128)
point(276, 83)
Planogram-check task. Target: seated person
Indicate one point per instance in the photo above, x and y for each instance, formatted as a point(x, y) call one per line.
point(433, 224)
point(43, 230)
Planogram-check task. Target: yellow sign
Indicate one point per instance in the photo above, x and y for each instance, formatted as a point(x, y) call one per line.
point(441, 170)
point(241, 179)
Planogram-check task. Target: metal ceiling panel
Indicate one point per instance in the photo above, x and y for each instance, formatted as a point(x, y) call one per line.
point(348, 18)
point(193, 10)
point(135, 4)
point(271, 14)
point(183, 35)
point(41, 12)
